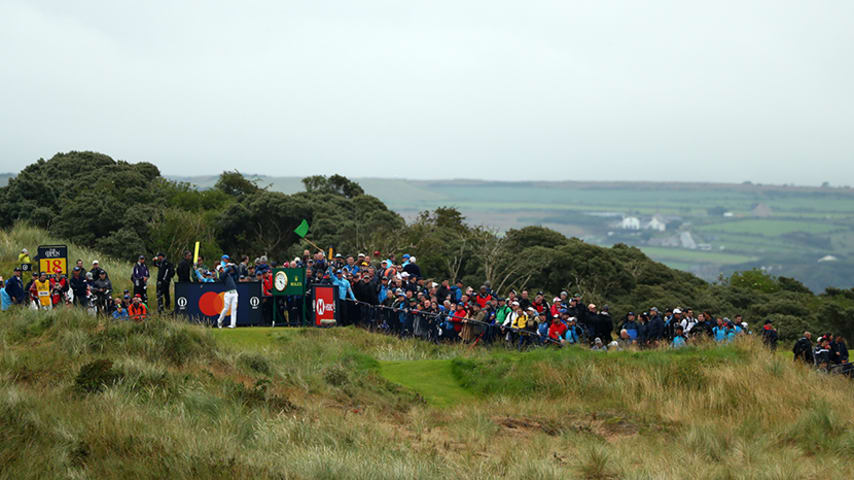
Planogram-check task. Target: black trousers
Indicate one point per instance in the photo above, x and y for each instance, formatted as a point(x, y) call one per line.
point(163, 297)
point(80, 298)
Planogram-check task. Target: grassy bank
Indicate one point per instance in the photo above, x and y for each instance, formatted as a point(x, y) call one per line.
point(25, 236)
point(83, 398)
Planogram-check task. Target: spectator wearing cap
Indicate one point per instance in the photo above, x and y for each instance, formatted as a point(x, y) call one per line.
point(138, 311)
point(574, 333)
point(556, 307)
point(540, 304)
point(655, 327)
point(412, 268)
point(345, 291)
point(24, 256)
point(643, 328)
point(15, 287)
point(262, 265)
point(96, 270)
point(78, 285)
point(139, 277)
point(564, 299)
point(399, 311)
point(671, 322)
point(514, 322)
point(405, 260)
point(363, 261)
point(630, 325)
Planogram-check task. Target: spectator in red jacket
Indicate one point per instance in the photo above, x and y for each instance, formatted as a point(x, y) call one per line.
point(483, 297)
point(557, 330)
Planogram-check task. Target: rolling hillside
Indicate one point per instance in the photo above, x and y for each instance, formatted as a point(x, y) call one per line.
point(709, 229)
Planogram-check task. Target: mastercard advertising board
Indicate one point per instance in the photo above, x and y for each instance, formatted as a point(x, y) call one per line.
point(203, 302)
point(325, 305)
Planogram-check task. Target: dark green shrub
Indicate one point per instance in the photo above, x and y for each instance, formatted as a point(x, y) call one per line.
point(94, 376)
point(255, 362)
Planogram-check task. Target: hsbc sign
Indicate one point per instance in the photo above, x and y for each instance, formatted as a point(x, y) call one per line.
point(324, 305)
point(324, 308)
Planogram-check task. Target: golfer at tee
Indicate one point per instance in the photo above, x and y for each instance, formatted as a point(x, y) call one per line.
point(226, 276)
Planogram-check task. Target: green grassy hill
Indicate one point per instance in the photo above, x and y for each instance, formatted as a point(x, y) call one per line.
point(82, 397)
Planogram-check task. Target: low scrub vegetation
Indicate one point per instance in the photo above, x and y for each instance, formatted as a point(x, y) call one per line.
point(82, 397)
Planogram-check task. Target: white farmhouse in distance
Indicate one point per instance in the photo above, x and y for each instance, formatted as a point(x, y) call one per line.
point(630, 223)
point(657, 223)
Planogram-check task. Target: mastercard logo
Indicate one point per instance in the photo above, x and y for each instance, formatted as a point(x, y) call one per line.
point(211, 303)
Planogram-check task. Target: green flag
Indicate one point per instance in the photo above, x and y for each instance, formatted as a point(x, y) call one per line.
point(302, 229)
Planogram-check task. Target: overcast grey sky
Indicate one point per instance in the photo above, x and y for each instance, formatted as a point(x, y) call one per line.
point(632, 90)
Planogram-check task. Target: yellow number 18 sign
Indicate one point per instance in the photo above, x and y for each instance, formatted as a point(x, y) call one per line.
point(53, 258)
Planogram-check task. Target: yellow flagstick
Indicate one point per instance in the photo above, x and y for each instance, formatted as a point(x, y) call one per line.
point(196, 255)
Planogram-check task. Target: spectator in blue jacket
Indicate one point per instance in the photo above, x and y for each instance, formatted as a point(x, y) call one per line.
point(655, 327)
point(344, 289)
point(573, 332)
point(679, 338)
point(719, 331)
point(5, 298)
point(120, 313)
point(630, 325)
point(15, 287)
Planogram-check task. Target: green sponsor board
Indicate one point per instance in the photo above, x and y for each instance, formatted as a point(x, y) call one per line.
point(288, 281)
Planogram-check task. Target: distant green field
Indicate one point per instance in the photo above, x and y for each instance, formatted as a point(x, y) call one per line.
point(695, 256)
point(769, 227)
point(804, 223)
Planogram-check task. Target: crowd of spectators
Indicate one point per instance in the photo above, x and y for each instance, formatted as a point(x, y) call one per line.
point(90, 289)
point(390, 294)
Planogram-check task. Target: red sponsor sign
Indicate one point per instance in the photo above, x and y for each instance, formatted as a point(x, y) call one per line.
point(324, 305)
